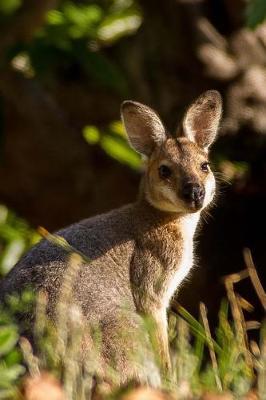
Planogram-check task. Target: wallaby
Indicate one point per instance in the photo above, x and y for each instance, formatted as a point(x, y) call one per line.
point(139, 253)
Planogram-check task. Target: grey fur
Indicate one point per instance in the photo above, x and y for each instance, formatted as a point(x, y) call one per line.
point(137, 252)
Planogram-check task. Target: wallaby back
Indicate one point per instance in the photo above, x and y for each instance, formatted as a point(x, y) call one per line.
point(140, 253)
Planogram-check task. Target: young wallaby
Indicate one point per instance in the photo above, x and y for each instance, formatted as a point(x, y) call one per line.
point(139, 253)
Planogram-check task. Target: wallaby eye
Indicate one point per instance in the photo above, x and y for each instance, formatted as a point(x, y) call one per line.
point(164, 172)
point(205, 166)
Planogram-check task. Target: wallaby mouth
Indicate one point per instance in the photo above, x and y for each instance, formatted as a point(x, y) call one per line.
point(196, 205)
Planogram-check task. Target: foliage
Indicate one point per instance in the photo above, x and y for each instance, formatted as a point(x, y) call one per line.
point(113, 141)
point(74, 38)
point(75, 44)
point(223, 363)
point(11, 367)
point(15, 238)
point(10, 360)
point(9, 7)
point(256, 13)
point(233, 373)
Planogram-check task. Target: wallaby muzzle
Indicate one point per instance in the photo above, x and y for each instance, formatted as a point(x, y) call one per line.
point(193, 193)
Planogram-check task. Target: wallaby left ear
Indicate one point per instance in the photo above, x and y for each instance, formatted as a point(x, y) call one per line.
point(201, 121)
point(144, 128)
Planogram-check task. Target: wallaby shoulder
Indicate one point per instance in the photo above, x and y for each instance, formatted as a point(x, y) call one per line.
point(98, 237)
point(138, 254)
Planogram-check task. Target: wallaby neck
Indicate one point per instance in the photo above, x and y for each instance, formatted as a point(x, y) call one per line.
point(152, 214)
point(164, 247)
point(151, 219)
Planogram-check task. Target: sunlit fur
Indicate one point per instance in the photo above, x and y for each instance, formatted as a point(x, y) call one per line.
point(140, 253)
point(184, 158)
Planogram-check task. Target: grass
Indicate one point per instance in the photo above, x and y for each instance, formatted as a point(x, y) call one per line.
point(225, 361)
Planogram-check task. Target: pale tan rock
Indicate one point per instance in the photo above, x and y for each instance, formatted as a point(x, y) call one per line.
point(217, 396)
point(252, 395)
point(42, 387)
point(144, 393)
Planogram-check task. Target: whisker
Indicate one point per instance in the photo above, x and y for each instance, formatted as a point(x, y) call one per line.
point(206, 215)
point(220, 177)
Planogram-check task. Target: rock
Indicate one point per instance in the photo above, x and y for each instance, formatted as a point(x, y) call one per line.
point(42, 387)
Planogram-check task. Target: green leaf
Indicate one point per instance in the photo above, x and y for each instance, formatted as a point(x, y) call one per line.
point(118, 25)
point(55, 17)
point(13, 358)
point(9, 374)
point(12, 254)
point(8, 7)
point(118, 128)
point(199, 350)
point(196, 326)
point(8, 339)
point(21, 303)
point(91, 134)
point(118, 149)
point(101, 70)
point(256, 13)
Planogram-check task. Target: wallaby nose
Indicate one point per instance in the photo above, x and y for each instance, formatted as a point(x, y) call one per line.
point(194, 192)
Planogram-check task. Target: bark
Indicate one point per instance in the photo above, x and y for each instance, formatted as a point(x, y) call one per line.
point(48, 173)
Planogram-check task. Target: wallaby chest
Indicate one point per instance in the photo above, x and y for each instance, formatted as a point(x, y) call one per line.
point(162, 259)
point(182, 256)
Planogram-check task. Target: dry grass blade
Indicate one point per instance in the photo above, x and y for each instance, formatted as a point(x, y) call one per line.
point(254, 347)
point(254, 277)
point(244, 304)
point(40, 319)
point(65, 301)
point(250, 325)
point(61, 242)
point(203, 313)
point(30, 359)
point(262, 369)
point(237, 277)
point(239, 321)
point(243, 324)
point(183, 389)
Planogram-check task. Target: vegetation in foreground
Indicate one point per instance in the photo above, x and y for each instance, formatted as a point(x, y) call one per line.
point(225, 362)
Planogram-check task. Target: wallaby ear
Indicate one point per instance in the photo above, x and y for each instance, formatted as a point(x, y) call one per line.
point(201, 121)
point(143, 126)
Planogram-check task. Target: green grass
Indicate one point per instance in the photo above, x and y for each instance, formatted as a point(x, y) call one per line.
point(226, 361)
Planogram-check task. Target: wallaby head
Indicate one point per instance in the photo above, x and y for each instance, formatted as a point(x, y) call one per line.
point(178, 177)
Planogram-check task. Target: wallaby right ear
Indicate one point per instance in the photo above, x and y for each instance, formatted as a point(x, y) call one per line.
point(143, 126)
point(201, 121)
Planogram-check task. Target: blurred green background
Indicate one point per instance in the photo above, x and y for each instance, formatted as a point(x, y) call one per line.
point(65, 67)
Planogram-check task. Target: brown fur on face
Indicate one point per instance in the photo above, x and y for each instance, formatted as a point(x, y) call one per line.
point(184, 158)
point(190, 186)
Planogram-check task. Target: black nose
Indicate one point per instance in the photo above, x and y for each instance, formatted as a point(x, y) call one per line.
point(194, 192)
